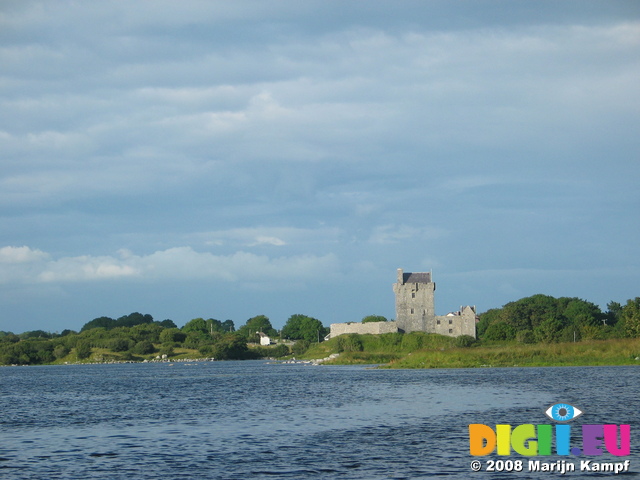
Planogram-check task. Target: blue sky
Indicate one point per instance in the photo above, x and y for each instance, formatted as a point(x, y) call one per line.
point(230, 159)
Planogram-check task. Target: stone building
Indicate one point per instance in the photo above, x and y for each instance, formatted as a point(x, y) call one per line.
point(415, 311)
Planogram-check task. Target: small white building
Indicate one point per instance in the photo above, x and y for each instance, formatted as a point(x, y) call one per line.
point(264, 339)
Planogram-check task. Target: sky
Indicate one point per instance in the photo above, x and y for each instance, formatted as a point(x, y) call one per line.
point(231, 159)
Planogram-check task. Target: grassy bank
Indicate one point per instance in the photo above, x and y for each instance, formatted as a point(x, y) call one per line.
point(435, 351)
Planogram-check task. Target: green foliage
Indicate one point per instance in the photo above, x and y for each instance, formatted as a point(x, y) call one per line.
point(630, 315)
point(143, 347)
point(374, 318)
point(300, 347)
point(279, 351)
point(500, 331)
point(231, 347)
point(166, 349)
point(260, 323)
point(36, 334)
point(525, 336)
point(167, 324)
point(149, 332)
point(119, 344)
point(548, 331)
point(172, 335)
point(100, 322)
point(108, 323)
point(195, 339)
point(133, 319)
point(10, 338)
point(349, 343)
point(61, 351)
point(195, 325)
point(550, 319)
point(83, 350)
point(302, 327)
point(465, 341)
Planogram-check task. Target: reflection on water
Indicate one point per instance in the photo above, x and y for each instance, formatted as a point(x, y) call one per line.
point(253, 420)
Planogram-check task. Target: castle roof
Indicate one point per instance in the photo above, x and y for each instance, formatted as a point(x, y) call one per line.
point(416, 277)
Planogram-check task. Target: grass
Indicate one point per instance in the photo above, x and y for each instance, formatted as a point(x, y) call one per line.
point(419, 350)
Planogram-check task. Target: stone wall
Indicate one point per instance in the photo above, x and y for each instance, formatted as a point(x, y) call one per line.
point(374, 328)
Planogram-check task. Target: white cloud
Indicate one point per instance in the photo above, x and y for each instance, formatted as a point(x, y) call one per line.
point(179, 263)
point(22, 254)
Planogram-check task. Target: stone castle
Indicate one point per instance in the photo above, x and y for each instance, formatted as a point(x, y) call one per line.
point(415, 312)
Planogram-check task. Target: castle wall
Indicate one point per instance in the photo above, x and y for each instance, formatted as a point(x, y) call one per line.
point(464, 323)
point(374, 328)
point(415, 312)
point(415, 305)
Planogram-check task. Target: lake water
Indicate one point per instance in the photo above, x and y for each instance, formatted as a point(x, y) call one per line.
point(247, 420)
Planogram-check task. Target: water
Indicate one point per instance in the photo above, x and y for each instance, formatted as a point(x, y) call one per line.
point(241, 420)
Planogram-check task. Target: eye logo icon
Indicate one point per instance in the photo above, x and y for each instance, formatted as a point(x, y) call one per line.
point(563, 412)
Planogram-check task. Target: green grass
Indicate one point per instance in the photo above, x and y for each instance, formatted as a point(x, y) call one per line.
point(420, 350)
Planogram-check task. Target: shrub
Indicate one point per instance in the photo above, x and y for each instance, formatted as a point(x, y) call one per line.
point(280, 351)
point(525, 336)
point(119, 345)
point(465, 341)
point(83, 350)
point(143, 348)
point(61, 351)
point(349, 343)
point(300, 347)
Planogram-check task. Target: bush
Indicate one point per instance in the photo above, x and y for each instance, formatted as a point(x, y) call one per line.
point(83, 350)
point(280, 351)
point(119, 345)
point(374, 318)
point(465, 341)
point(525, 336)
point(143, 348)
point(61, 351)
point(172, 335)
point(349, 343)
point(300, 347)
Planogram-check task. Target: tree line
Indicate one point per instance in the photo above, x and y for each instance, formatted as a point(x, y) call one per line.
point(136, 336)
point(536, 319)
point(545, 319)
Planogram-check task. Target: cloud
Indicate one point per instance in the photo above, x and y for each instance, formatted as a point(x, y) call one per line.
point(390, 234)
point(179, 263)
point(22, 254)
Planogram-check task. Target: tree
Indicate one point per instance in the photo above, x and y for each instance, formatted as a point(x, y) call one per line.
point(500, 331)
point(167, 324)
point(133, 319)
point(83, 350)
point(302, 327)
point(230, 347)
point(60, 351)
point(143, 348)
point(374, 318)
point(172, 335)
point(260, 323)
point(146, 331)
point(631, 317)
point(104, 322)
point(195, 325)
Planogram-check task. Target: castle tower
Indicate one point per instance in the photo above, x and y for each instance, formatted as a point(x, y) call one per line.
point(415, 310)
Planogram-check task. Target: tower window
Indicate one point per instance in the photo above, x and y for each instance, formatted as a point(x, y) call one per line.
point(413, 294)
point(412, 311)
point(450, 330)
point(450, 321)
point(438, 322)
